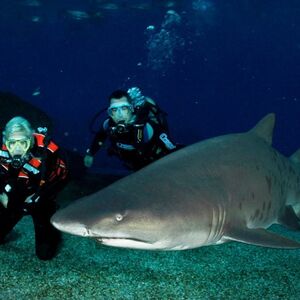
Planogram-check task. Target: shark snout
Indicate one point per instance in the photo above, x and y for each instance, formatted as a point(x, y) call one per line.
point(70, 226)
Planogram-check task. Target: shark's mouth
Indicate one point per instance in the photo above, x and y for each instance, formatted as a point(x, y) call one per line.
point(104, 239)
point(125, 242)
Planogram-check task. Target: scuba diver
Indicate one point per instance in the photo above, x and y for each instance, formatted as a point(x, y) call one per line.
point(136, 128)
point(32, 172)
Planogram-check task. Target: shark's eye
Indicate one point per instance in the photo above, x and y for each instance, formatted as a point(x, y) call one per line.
point(119, 217)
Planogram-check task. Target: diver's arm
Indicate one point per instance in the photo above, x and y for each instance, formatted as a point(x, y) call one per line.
point(97, 143)
point(99, 139)
point(52, 179)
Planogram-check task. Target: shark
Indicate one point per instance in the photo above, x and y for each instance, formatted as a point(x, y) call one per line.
point(226, 188)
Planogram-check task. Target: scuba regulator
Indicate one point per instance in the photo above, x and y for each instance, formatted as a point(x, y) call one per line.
point(120, 128)
point(18, 161)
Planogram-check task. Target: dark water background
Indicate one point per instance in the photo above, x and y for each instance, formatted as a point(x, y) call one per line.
point(216, 67)
point(226, 63)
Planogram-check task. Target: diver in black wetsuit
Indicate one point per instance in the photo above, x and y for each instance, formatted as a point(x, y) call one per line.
point(136, 129)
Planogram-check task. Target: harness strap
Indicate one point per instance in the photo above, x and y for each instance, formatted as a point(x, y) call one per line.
point(139, 133)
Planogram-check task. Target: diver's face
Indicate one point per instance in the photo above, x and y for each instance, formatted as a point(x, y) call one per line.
point(120, 110)
point(17, 144)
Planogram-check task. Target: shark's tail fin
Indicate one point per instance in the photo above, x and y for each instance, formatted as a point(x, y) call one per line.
point(295, 158)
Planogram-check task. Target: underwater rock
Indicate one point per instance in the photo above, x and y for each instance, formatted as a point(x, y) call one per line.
point(11, 105)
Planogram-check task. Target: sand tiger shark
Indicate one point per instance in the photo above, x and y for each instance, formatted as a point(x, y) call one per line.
point(226, 188)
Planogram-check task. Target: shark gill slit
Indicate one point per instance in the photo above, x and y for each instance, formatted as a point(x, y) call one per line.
point(218, 221)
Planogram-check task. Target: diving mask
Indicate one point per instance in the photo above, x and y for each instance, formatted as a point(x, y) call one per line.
point(122, 107)
point(121, 111)
point(18, 149)
point(19, 146)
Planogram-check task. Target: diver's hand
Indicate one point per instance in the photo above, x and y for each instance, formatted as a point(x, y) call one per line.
point(34, 198)
point(4, 199)
point(88, 160)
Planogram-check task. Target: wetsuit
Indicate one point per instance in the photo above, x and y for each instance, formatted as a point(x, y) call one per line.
point(137, 144)
point(43, 175)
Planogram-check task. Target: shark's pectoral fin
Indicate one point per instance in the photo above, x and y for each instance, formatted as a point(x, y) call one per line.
point(289, 218)
point(261, 237)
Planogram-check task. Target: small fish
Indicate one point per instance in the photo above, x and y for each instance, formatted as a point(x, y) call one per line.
point(36, 92)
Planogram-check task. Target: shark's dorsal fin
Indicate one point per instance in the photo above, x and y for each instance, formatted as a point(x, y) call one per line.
point(264, 128)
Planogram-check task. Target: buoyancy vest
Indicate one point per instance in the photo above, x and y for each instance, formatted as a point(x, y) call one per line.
point(150, 111)
point(34, 165)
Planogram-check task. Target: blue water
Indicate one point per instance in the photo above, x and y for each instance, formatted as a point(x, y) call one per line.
point(215, 66)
